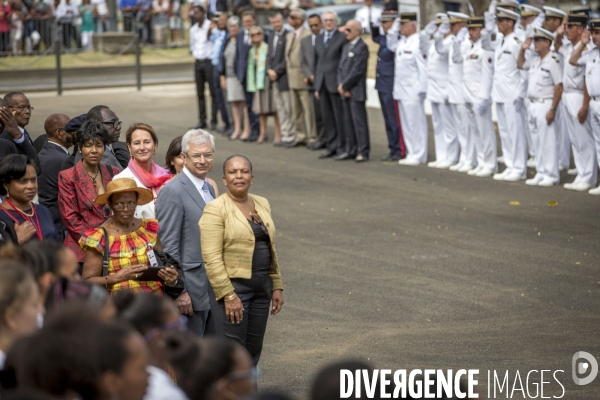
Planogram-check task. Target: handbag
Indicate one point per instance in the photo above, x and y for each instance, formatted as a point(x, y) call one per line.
point(166, 259)
point(105, 259)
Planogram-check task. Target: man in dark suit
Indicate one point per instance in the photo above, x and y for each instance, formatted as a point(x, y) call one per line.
point(14, 138)
point(214, 7)
point(387, 36)
point(307, 62)
point(116, 153)
point(54, 153)
point(328, 52)
point(276, 71)
point(179, 207)
point(241, 66)
point(352, 87)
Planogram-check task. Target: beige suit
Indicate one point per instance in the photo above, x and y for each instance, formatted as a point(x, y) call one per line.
point(302, 103)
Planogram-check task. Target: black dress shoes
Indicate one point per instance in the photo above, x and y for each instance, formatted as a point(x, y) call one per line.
point(327, 154)
point(316, 146)
point(343, 156)
point(390, 157)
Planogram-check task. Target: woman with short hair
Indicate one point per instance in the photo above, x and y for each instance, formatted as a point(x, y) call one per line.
point(18, 182)
point(142, 142)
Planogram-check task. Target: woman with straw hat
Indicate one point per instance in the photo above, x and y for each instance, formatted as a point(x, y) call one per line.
point(131, 242)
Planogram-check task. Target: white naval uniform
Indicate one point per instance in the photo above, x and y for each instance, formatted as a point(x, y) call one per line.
point(468, 155)
point(544, 74)
point(523, 94)
point(504, 91)
point(478, 73)
point(562, 138)
point(591, 62)
point(410, 80)
point(582, 140)
point(444, 126)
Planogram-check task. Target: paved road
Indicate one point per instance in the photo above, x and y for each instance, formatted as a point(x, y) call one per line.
point(408, 267)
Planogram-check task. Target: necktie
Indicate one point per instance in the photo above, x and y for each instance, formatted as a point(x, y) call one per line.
point(326, 38)
point(206, 193)
point(275, 43)
point(246, 38)
point(369, 24)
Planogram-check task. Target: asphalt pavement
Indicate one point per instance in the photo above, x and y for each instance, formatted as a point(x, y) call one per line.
point(406, 267)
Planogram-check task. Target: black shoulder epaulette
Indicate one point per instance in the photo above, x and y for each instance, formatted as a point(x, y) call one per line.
point(517, 40)
point(556, 59)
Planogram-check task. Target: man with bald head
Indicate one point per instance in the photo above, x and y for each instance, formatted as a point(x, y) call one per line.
point(352, 87)
point(13, 139)
point(53, 154)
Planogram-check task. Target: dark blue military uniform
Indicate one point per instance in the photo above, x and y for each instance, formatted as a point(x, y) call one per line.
point(384, 83)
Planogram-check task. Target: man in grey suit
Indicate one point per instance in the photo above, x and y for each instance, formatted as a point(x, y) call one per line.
point(179, 206)
point(307, 62)
point(352, 87)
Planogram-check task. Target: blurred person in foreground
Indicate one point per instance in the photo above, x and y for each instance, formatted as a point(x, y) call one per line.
point(154, 317)
point(238, 245)
point(131, 243)
point(212, 368)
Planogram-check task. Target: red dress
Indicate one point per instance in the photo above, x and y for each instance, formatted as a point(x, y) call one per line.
point(76, 195)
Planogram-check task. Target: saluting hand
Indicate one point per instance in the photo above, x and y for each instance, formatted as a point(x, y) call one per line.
point(527, 43)
point(586, 37)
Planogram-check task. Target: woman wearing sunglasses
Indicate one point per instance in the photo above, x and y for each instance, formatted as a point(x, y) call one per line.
point(238, 248)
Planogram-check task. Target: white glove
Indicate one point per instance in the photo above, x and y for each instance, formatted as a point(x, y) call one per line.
point(538, 22)
point(529, 31)
point(490, 21)
point(492, 7)
point(430, 28)
point(483, 106)
point(444, 28)
point(519, 103)
point(461, 35)
point(422, 96)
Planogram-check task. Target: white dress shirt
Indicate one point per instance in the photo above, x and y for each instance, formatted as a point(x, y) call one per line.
point(507, 77)
point(199, 183)
point(544, 74)
point(410, 76)
point(200, 45)
point(591, 61)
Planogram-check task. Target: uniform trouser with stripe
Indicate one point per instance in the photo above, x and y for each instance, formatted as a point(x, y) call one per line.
point(530, 146)
point(445, 132)
point(512, 138)
point(594, 117)
point(562, 139)
point(464, 127)
point(414, 129)
point(483, 136)
point(544, 139)
point(582, 139)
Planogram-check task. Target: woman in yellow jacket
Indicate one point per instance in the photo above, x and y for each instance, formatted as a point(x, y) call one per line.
point(238, 247)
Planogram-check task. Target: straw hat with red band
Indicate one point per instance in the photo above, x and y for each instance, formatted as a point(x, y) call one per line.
point(125, 185)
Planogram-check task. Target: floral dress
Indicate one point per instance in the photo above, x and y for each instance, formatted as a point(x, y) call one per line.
point(125, 251)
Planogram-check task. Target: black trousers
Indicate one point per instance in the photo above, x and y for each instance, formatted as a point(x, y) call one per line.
point(219, 99)
point(254, 126)
point(202, 323)
point(331, 106)
point(255, 294)
point(318, 118)
point(356, 132)
point(204, 75)
point(69, 34)
point(388, 107)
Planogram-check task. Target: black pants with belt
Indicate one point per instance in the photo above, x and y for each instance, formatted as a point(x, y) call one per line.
point(204, 75)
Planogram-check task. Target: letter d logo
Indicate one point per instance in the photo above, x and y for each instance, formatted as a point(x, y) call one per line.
point(583, 367)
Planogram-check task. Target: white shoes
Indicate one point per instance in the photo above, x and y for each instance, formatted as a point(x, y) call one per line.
point(572, 171)
point(500, 176)
point(547, 182)
point(474, 171)
point(514, 177)
point(579, 186)
point(484, 173)
point(409, 162)
point(535, 180)
point(455, 167)
point(443, 164)
point(595, 191)
point(531, 162)
point(465, 168)
point(432, 164)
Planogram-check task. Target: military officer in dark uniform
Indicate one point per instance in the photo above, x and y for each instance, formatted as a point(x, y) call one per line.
point(387, 36)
